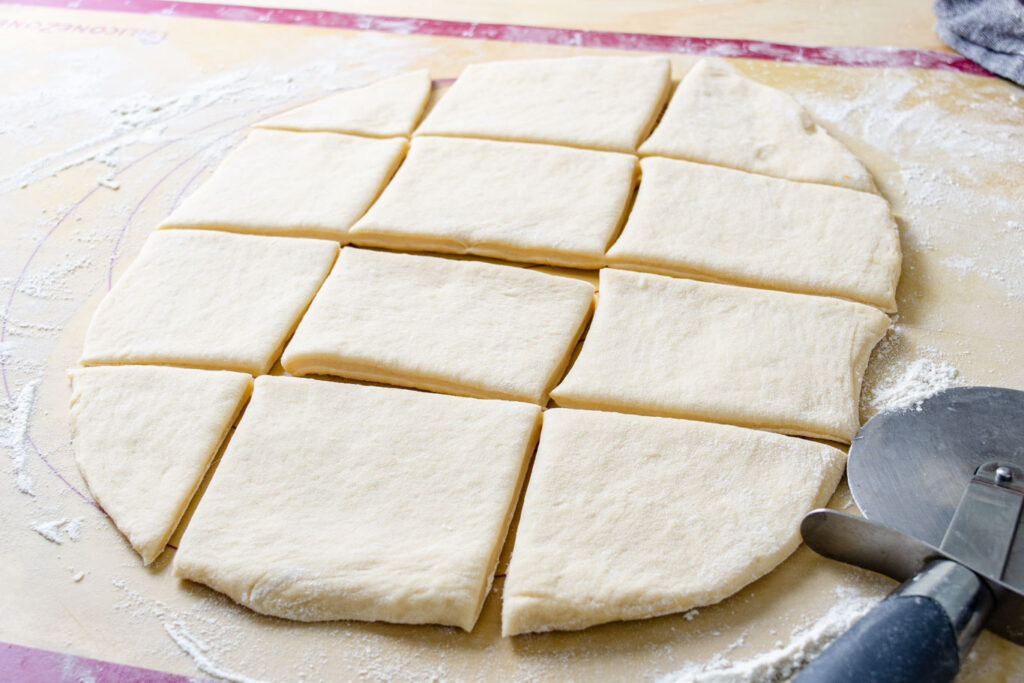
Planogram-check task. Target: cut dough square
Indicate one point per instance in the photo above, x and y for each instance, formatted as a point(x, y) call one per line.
point(454, 326)
point(143, 438)
point(341, 501)
point(718, 224)
point(507, 200)
point(292, 185)
point(718, 116)
point(665, 346)
point(605, 103)
point(387, 108)
point(660, 516)
point(208, 299)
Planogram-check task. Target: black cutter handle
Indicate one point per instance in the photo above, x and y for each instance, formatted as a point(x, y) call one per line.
point(919, 634)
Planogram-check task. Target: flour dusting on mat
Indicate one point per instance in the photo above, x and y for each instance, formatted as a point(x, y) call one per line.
point(922, 378)
point(14, 421)
point(52, 530)
point(782, 662)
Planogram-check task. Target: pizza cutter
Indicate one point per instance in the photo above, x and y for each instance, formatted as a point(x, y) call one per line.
point(941, 486)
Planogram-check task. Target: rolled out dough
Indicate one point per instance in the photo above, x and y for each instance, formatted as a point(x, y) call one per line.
point(341, 501)
point(724, 225)
point(784, 362)
point(661, 515)
point(455, 326)
point(292, 185)
point(387, 108)
point(717, 116)
point(606, 103)
point(508, 200)
point(208, 299)
point(143, 437)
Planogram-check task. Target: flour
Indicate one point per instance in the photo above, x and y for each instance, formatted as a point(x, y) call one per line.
point(921, 379)
point(51, 531)
point(14, 422)
point(782, 662)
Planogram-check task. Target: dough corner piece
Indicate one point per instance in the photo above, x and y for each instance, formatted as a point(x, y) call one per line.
point(664, 515)
point(387, 108)
point(208, 299)
point(719, 116)
point(375, 504)
point(289, 184)
point(143, 438)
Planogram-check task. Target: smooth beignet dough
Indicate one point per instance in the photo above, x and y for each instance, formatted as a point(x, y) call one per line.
point(454, 326)
point(784, 362)
point(723, 225)
point(507, 200)
point(143, 437)
point(718, 116)
point(292, 185)
point(630, 517)
point(341, 501)
point(607, 103)
point(385, 109)
point(208, 299)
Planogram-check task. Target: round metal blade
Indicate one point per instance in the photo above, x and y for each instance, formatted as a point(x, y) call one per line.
point(908, 469)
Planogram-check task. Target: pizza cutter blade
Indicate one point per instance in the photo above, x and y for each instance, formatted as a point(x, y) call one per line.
point(942, 488)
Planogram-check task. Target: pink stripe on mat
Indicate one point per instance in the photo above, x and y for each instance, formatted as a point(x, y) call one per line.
point(30, 665)
point(721, 47)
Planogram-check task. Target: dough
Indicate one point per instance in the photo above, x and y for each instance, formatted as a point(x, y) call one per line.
point(292, 185)
point(718, 116)
point(605, 103)
point(661, 516)
point(340, 501)
point(207, 299)
point(509, 200)
point(143, 438)
point(784, 362)
point(450, 326)
point(718, 224)
point(454, 326)
point(384, 109)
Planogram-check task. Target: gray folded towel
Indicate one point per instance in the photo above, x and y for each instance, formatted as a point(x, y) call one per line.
point(987, 32)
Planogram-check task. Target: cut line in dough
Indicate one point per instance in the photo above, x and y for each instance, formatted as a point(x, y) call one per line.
point(292, 185)
point(341, 501)
point(605, 103)
point(208, 299)
point(454, 326)
point(385, 109)
point(630, 517)
point(790, 363)
point(143, 438)
point(723, 225)
point(718, 116)
point(506, 200)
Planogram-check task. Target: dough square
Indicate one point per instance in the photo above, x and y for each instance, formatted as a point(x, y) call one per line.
point(718, 116)
point(507, 200)
point(207, 299)
point(607, 103)
point(454, 326)
point(292, 185)
point(719, 224)
point(342, 501)
point(661, 515)
point(790, 363)
point(387, 108)
point(143, 437)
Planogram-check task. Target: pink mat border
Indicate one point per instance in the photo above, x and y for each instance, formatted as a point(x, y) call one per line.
point(645, 42)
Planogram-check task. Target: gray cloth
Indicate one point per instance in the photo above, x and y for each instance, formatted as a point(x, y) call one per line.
point(987, 32)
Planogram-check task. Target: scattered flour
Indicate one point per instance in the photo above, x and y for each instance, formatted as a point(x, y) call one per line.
point(922, 378)
point(782, 662)
point(14, 421)
point(51, 531)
